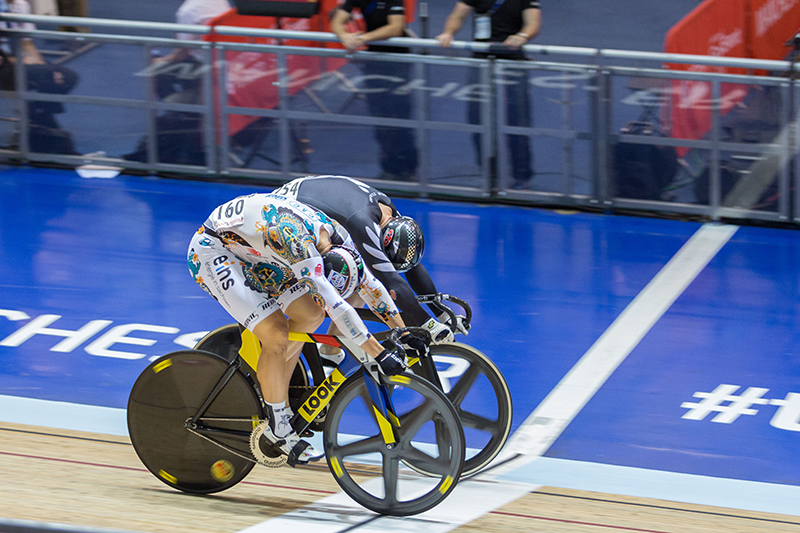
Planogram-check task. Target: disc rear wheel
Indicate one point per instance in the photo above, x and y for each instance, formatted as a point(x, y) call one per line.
point(215, 454)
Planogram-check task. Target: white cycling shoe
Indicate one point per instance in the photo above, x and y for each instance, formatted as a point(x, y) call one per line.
point(293, 449)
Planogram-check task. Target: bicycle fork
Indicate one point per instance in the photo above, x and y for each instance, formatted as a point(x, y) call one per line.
point(383, 409)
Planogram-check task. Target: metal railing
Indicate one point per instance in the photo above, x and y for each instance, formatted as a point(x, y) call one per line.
point(595, 117)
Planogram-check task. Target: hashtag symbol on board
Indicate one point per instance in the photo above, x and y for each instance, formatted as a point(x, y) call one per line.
point(723, 401)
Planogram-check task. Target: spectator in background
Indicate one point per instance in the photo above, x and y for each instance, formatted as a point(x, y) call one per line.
point(46, 135)
point(178, 73)
point(512, 23)
point(72, 8)
point(384, 19)
point(197, 13)
point(177, 78)
point(30, 54)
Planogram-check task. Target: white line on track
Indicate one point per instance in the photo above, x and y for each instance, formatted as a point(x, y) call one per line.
point(484, 493)
point(338, 513)
point(535, 436)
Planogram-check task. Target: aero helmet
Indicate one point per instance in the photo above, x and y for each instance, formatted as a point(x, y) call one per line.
point(344, 268)
point(403, 243)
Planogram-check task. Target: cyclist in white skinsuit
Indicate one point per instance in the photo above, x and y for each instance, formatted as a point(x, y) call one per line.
point(260, 254)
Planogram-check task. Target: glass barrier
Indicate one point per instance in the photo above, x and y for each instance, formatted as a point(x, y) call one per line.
point(545, 117)
point(710, 144)
point(401, 119)
point(613, 130)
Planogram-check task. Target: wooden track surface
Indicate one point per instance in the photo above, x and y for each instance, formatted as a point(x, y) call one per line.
point(96, 480)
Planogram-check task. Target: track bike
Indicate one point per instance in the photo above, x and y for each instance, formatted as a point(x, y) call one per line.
point(195, 419)
point(471, 381)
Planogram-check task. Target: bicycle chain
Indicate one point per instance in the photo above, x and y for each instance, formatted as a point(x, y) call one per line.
point(225, 447)
point(260, 457)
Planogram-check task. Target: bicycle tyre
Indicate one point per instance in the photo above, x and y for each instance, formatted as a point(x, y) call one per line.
point(170, 391)
point(226, 341)
point(482, 433)
point(435, 411)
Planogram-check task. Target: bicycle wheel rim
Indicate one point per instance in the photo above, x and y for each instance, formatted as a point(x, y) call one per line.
point(482, 400)
point(171, 390)
point(424, 413)
point(226, 341)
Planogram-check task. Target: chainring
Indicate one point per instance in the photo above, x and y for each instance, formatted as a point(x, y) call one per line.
point(265, 453)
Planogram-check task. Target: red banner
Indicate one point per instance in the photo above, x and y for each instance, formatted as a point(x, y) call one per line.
point(732, 28)
point(773, 22)
point(714, 28)
point(252, 76)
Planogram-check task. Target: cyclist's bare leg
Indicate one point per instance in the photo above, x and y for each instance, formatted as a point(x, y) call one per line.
point(273, 332)
point(278, 355)
point(306, 316)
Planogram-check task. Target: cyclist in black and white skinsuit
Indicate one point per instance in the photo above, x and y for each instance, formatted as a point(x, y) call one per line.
point(365, 213)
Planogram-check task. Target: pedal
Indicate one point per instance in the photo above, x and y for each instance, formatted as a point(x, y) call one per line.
point(296, 454)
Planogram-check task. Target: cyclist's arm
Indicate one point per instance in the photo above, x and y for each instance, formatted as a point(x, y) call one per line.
point(379, 301)
point(412, 312)
point(405, 298)
point(311, 272)
point(419, 280)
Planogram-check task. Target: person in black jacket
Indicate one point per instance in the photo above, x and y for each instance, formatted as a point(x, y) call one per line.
point(511, 24)
point(384, 19)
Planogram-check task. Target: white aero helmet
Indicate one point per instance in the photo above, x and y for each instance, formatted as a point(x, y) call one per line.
point(344, 269)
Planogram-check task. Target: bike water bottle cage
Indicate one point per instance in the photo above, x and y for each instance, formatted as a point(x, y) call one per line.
point(403, 243)
point(344, 269)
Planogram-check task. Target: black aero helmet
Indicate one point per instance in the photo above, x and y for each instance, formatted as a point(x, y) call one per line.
point(344, 268)
point(403, 243)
